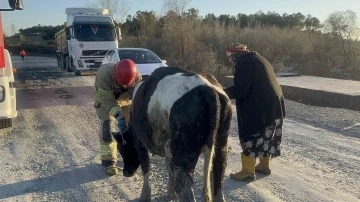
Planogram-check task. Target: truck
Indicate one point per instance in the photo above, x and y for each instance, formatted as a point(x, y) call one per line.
point(7, 90)
point(87, 35)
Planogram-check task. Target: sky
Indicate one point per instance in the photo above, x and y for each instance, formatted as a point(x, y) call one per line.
point(52, 12)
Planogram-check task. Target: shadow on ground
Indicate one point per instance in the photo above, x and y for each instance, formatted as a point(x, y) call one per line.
point(69, 179)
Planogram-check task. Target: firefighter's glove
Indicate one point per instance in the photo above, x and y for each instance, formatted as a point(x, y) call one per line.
point(122, 124)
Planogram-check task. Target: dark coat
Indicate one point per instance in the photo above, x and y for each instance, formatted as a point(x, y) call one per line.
point(259, 98)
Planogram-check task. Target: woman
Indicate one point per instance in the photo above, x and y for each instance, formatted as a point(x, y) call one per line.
point(260, 110)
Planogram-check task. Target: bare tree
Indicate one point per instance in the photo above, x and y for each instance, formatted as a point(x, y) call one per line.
point(118, 9)
point(344, 26)
point(178, 6)
point(148, 23)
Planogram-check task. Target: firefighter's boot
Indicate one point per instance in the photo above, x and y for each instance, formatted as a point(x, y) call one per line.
point(110, 167)
point(263, 166)
point(247, 172)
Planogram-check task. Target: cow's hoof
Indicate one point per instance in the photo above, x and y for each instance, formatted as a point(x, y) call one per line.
point(128, 173)
point(222, 199)
point(145, 199)
point(171, 198)
point(171, 195)
point(220, 196)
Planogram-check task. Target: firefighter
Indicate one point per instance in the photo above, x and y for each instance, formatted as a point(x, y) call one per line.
point(22, 54)
point(114, 84)
point(260, 110)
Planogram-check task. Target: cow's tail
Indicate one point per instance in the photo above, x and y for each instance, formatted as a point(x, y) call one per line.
point(219, 113)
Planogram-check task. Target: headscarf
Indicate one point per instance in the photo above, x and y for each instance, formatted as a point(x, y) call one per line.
point(236, 50)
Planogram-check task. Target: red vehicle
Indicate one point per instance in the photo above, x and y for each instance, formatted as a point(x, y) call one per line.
point(7, 90)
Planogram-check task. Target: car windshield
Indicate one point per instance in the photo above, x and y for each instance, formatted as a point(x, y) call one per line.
point(139, 56)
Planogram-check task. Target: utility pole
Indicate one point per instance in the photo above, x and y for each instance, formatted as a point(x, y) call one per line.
point(13, 29)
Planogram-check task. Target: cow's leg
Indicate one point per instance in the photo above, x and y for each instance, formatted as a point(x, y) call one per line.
point(208, 173)
point(184, 184)
point(184, 158)
point(221, 153)
point(170, 186)
point(145, 167)
point(218, 171)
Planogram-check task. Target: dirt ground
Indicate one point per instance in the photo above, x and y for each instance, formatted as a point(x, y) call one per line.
point(52, 151)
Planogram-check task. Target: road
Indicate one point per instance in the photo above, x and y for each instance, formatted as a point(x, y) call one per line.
point(51, 153)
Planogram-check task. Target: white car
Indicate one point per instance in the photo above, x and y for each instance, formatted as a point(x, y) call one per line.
point(146, 61)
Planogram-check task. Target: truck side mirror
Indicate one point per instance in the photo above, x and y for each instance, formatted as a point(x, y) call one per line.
point(16, 4)
point(118, 33)
point(67, 32)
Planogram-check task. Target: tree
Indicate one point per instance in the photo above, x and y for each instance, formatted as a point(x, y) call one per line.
point(312, 23)
point(227, 20)
point(242, 20)
point(344, 26)
point(49, 33)
point(22, 38)
point(273, 19)
point(131, 26)
point(118, 9)
point(295, 20)
point(147, 23)
point(178, 6)
point(192, 13)
point(209, 19)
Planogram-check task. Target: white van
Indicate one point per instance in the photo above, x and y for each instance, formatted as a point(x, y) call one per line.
point(7, 90)
point(7, 93)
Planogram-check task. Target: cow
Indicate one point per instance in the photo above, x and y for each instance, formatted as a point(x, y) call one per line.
point(178, 115)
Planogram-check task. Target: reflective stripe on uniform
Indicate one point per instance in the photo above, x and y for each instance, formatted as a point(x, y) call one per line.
point(96, 97)
point(101, 92)
point(108, 149)
point(115, 110)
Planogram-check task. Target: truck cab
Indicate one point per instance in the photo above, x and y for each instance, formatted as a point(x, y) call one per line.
point(7, 89)
point(87, 35)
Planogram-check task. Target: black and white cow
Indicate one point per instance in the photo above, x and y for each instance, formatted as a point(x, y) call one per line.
point(178, 115)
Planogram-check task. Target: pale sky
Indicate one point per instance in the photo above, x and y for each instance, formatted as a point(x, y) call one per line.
point(52, 12)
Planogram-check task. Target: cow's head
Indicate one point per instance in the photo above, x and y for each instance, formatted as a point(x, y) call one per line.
point(127, 149)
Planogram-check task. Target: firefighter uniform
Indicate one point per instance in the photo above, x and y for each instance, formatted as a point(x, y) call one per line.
point(112, 102)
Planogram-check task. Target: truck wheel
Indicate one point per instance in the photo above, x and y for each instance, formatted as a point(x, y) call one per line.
point(58, 61)
point(63, 62)
point(5, 123)
point(68, 64)
point(77, 73)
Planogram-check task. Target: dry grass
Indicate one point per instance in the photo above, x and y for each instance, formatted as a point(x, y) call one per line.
point(200, 47)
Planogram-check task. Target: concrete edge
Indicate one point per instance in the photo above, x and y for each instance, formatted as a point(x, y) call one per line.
point(313, 97)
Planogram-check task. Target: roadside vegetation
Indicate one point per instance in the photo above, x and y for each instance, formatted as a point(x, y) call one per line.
point(291, 42)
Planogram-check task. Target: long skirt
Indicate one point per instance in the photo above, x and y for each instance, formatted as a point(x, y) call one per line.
point(265, 143)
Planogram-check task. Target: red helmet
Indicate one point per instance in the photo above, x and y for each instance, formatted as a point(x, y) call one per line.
point(125, 72)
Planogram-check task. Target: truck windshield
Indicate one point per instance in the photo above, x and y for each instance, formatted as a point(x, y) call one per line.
point(94, 33)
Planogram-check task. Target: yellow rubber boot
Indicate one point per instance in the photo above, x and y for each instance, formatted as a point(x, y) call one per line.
point(264, 166)
point(111, 170)
point(247, 172)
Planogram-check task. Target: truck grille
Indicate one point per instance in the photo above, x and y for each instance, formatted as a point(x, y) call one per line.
point(94, 52)
point(89, 61)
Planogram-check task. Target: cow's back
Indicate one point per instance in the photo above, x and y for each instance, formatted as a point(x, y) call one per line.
point(167, 99)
